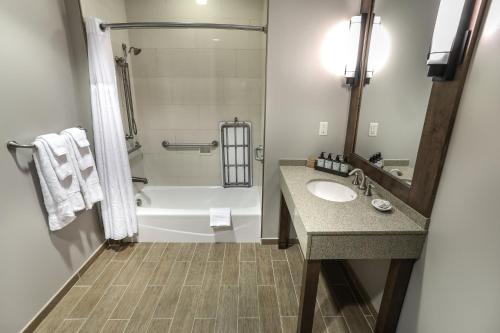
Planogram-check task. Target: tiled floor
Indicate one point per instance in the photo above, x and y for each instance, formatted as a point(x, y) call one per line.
point(236, 288)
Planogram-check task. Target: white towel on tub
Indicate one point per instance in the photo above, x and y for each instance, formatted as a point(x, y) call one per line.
point(220, 217)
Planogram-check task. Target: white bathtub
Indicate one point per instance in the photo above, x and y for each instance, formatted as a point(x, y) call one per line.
point(181, 214)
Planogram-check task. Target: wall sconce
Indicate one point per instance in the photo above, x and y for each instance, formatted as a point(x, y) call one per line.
point(351, 72)
point(450, 38)
point(380, 46)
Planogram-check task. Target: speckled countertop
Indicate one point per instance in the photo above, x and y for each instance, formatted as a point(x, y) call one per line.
point(357, 217)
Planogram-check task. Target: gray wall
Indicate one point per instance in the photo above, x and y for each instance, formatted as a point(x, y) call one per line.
point(397, 96)
point(40, 92)
point(300, 92)
point(454, 286)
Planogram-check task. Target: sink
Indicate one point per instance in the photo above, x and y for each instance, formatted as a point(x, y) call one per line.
point(331, 191)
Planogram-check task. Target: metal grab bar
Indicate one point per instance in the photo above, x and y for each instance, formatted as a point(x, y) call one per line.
point(140, 180)
point(167, 144)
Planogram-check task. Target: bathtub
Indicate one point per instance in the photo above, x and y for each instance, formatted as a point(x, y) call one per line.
point(181, 214)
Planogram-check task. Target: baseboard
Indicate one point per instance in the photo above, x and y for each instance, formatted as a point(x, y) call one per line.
point(274, 241)
point(358, 288)
point(49, 306)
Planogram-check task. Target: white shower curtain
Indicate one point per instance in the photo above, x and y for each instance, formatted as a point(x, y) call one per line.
point(118, 207)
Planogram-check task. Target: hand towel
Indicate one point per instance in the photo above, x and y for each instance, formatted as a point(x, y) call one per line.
point(83, 153)
point(61, 198)
point(57, 150)
point(220, 217)
point(87, 178)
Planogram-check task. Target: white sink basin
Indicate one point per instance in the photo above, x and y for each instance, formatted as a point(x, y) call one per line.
point(331, 191)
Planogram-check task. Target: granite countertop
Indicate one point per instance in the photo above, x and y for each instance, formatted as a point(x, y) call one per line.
point(323, 217)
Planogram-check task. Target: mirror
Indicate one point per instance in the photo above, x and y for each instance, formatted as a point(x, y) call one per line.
point(394, 102)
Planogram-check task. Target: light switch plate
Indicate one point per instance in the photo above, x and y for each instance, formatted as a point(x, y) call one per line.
point(373, 130)
point(323, 128)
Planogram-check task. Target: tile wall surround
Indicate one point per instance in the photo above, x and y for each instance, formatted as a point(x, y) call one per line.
point(186, 81)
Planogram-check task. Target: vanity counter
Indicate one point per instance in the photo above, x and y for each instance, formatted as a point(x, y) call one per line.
point(346, 230)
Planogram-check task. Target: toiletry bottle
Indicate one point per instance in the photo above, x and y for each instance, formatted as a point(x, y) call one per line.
point(336, 164)
point(344, 167)
point(328, 162)
point(321, 160)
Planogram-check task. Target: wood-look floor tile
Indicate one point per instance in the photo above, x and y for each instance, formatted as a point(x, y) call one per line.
point(295, 260)
point(198, 265)
point(103, 309)
point(164, 268)
point(264, 267)
point(227, 312)
point(124, 251)
point(287, 299)
point(70, 326)
point(350, 309)
point(170, 296)
point(144, 310)
point(230, 270)
point(326, 299)
point(115, 326)
point(204, 326)
point(336, 325)
point(94, 294)
point(371, 321)
point(248, 303)
point(268, 309)
point(132, 265)
point(289, 324)
point(248, 325)
point(95, 269)
point(209, 295)
point(156, 251)
point(277, 254)
point(127, 304)
point(217, 252)
point(247, 252)
point(186, 309)
point(186, 252)
point(159, 325)
point(61, 310)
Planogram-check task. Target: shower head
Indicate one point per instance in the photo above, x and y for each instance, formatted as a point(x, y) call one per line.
point(135, 50)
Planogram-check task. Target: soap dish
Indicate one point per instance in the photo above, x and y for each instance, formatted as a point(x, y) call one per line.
point(381, 205)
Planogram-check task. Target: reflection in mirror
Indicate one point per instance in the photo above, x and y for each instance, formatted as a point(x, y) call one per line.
point(394, 103)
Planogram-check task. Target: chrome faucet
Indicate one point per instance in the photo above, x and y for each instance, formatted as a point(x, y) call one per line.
point(358, 172)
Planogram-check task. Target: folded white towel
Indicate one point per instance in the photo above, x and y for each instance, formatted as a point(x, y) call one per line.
point(61, 198)
point(220, 217)
point(83, 153)
point(58, 154)
point(87, 178)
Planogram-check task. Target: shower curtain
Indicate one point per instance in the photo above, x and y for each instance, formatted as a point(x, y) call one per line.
point(118, 207)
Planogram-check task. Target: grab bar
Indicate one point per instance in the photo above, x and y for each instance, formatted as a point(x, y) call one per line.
point(167, 144)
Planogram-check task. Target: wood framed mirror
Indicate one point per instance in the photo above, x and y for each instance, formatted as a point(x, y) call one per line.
point(434, 116)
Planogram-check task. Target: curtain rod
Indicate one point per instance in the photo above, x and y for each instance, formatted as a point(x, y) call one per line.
point(177, 25)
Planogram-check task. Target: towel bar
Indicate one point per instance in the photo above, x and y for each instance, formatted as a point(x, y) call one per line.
point(14, 145)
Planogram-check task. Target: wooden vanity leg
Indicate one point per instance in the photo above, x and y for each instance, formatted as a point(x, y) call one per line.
point(394, 295)
point(284, 230)
point(308, 291)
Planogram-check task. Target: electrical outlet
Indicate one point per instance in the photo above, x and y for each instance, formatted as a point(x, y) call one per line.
point(323, 128)
point(373, 130)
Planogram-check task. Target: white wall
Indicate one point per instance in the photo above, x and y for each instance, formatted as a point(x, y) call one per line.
point(300, 92)
point(454, 286)
point(40, 93)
